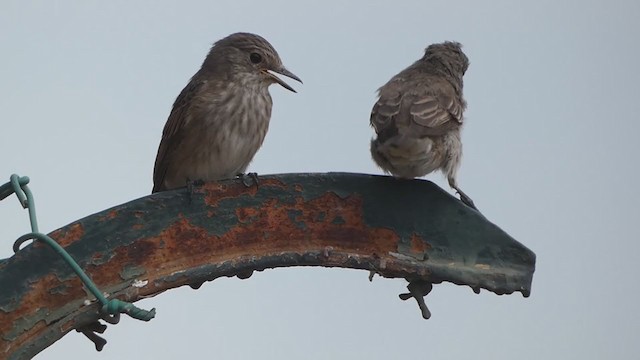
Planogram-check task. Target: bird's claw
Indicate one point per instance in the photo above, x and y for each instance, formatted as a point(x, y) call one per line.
point(418, 289)
point(466, 199)
point(191, 185)
point(253, 176)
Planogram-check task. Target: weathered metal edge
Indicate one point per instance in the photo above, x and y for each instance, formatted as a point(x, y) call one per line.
point(414, 256)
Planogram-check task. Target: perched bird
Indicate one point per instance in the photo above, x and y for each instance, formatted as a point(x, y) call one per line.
point(418, 117)
point(220, 119)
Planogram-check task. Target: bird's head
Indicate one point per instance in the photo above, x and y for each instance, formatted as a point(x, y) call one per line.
point(449, 53)
point(249, 58)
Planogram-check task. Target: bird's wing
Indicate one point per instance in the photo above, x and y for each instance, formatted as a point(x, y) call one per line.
point(435, 111)
point(171, 135)
point(385, 109)
point(423, 110)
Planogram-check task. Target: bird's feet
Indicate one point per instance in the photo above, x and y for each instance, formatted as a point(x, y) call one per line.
point(253, 176)
point(466, 199)
point(191, 185)
point(418, 289)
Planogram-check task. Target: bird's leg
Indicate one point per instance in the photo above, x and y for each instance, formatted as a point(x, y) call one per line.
point(191, 185)
point(252, 175)
point(418, 289)
point(465, 199)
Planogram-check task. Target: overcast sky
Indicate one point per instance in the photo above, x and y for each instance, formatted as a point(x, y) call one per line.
point(551, 156)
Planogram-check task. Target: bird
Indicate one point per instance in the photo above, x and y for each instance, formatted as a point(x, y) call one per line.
point(221, 117)
point(419, 115)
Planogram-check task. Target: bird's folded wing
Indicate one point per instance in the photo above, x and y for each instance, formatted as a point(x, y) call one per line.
point(421, 111)
point(171, 132)
point(434, 111)
point(385, 110)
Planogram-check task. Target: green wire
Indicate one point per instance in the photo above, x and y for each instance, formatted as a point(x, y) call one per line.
point(18, 185)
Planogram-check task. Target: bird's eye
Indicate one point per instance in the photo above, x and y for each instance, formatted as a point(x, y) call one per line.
point(255, 58)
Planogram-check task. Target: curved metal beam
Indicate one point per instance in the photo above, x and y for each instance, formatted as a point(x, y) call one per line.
point(396, 228)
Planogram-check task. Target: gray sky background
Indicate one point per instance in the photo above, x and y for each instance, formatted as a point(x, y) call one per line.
point(551, 156)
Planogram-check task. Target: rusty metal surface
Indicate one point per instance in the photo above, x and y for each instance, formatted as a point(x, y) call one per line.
point(397, 228)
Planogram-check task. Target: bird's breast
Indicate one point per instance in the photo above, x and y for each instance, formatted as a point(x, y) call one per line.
point(230, 132)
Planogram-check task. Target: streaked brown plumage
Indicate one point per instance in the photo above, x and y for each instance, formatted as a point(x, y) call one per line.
point(220, 119)
point(419, 114)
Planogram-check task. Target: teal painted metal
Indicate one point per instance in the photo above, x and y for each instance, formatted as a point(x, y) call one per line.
point(396, 228)
point(8, 189)
point(111, 309)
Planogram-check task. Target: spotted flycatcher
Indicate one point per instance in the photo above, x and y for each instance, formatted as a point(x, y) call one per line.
point(418, 117)
point(220, 119)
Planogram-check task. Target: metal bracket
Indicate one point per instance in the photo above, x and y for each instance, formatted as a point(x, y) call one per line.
point(407, 229)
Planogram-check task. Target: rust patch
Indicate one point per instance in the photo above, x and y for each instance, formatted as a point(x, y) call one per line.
point(265, 229)
point(67, 326)
point(272, 227)
point(327, 230)
point(303, 226)
point(216, 191)
point(246, 214)
point(47, 290)
point(418, 244)
point(110, 215)
point(69, 234)
point(98, 257)
point(180, 244)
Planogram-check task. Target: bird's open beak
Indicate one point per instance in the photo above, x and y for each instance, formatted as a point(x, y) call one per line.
point(284, 72)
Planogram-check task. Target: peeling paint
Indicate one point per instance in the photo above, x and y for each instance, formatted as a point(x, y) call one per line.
point(406, 229)
point(140, 283)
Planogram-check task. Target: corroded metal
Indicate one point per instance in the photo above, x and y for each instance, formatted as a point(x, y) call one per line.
point(397, 228)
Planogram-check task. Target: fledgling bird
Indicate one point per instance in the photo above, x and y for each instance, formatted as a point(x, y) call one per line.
point(220, 119)
point(419, 115)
